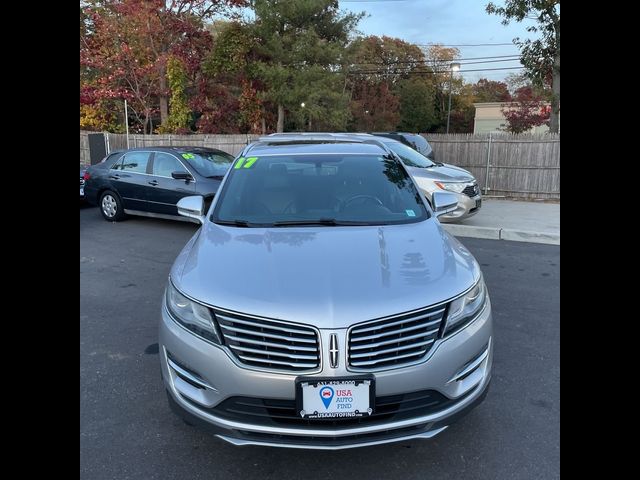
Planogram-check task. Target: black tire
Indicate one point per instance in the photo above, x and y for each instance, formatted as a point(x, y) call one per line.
point(111, 206)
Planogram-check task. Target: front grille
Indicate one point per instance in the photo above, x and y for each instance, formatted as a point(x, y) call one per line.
point(270, 344)
point(472, 190)
point(280, 412)
point(395, 340)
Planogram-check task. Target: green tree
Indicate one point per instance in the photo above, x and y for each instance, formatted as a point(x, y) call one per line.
point(490, 91)
point(387, 59)
point(228, 68)
point(179, 111)
point(125, 45)
point(540, 57)
point(374, 106)
point(462, 109)
point(417, 104)
point(301, 59)
point(439, 59)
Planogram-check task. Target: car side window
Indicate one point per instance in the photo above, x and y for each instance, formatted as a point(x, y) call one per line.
point(164, 164)
point(117, 165)
point(135, 162)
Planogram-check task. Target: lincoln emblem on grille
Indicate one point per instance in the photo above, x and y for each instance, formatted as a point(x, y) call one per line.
point(333, 350)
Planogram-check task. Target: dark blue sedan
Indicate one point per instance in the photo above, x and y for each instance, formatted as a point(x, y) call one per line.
point(149, 181)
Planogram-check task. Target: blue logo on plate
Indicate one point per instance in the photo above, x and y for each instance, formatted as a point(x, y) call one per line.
point(326, 394)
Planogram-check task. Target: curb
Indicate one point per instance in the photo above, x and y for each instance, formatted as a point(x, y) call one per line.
point(496, 233)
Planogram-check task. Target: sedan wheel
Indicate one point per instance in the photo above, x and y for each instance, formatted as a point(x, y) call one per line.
point(109, 206)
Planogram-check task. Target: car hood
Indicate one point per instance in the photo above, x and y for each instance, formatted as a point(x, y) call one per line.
point(330, 277)
point(444, 173)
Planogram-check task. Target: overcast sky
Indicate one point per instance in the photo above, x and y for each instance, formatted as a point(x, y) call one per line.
point(450, 22)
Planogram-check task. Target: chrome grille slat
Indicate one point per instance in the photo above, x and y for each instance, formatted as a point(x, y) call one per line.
point(373, 362)
point(268, 335)
point(404, 320)
point(270, 344)
point(394, 349)
point(272, 353)
point(277, 362)
point(271, 325)
point(394, 341)
point(395, 332)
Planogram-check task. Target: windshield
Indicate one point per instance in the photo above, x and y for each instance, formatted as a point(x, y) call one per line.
point(325, 189)
point(209, 164)
point(409, 156)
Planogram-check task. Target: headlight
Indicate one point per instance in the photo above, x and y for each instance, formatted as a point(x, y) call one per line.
point(463, 309)
point(191, 315)
point(452, 187)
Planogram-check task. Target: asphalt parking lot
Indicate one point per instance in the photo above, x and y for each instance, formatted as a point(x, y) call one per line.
point(128, 432)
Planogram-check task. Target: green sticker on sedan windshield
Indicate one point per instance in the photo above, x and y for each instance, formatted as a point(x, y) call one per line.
point(188, 156)
point(239, 163)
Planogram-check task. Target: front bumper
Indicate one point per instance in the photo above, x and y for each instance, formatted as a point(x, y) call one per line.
point(467, 207)
point(199, 376)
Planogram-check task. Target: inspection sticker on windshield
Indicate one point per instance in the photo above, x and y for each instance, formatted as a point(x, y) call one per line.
point(410, 213)
point(188, 156)
point(335, 398)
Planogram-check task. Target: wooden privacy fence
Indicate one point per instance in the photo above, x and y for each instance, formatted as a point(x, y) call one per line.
point(513, 166)
point(228, 143)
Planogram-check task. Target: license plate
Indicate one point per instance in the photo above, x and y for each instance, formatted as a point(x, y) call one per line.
point(81, 190)
point(478, 203)
point(335, 398)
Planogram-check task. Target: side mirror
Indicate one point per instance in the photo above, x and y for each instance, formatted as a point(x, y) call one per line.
point(192, 207)
point(181, 175)
point(444, 202)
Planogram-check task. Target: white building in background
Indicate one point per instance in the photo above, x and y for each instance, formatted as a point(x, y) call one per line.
point(489, 118)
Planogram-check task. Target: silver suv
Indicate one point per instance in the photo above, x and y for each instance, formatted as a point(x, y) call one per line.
point(322, 305)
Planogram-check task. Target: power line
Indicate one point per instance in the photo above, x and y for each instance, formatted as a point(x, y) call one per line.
point(463, 45)
point(492, 56)
point(517, 59)
point(421, 62)
point(427, 72)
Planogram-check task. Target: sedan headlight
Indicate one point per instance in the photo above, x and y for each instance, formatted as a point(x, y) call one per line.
point(191, 315)
point(452, 187)
point(465, 308)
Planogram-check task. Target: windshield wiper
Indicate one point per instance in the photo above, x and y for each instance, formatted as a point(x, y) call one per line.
point(329, 222)
point(217, 177)
point(234, 223)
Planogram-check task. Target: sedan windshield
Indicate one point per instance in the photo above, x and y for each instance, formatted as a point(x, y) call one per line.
point(209, 164)
point(326, 190)
point(409, 156)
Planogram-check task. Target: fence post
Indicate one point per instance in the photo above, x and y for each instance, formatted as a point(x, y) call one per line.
point(170, 140)
point(107, 147)
point(486, 173)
